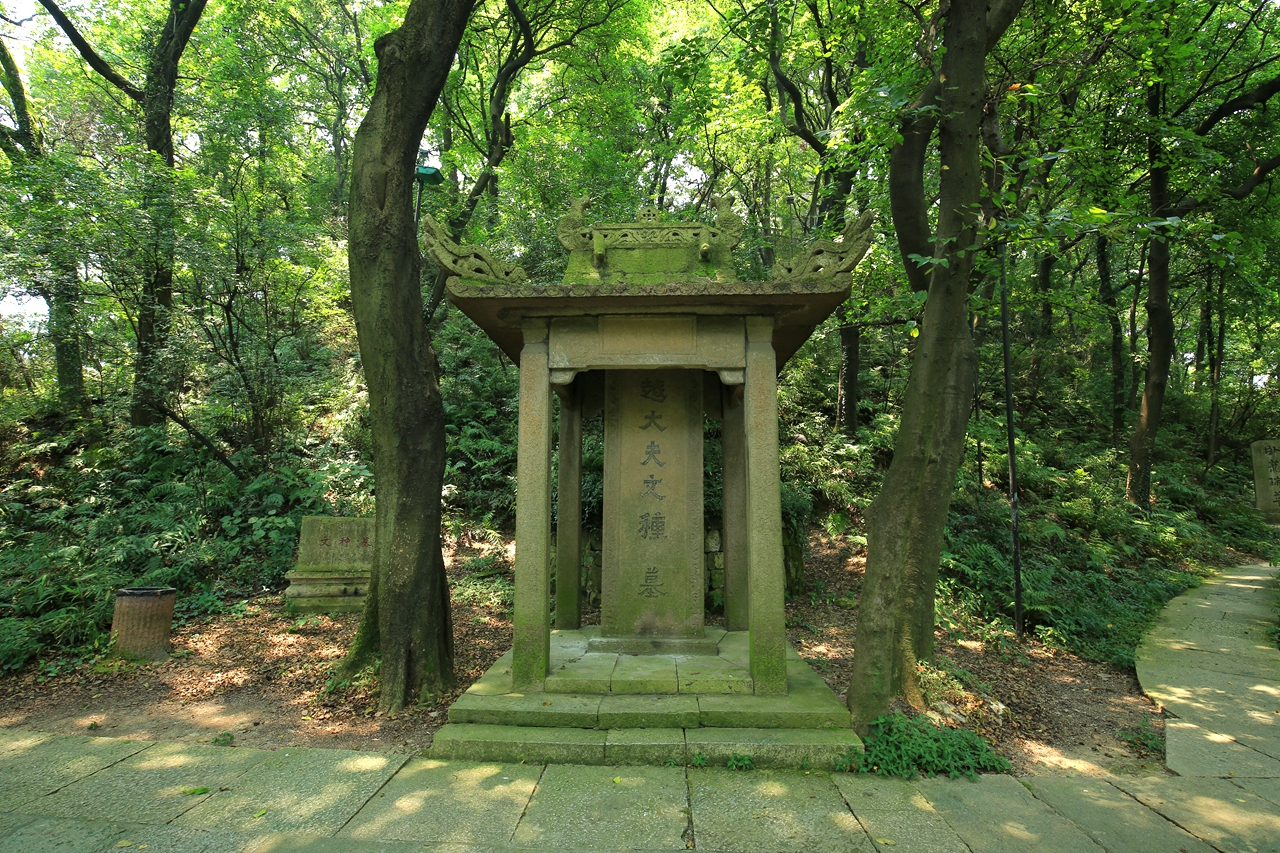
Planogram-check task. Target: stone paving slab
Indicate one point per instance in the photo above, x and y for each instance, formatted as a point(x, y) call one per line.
point(771, 812)
point(1216, 811)
point(1114, 820)
point(1268, 789)
point(607, 808)
point(51, 834)
point(27, 774)
point(1194, 751)
point(448, 802)
point(996, 814)
point(896, 816)
point(150, 786)
point(297, 790)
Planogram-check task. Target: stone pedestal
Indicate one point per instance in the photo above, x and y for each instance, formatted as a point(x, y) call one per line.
point(335, 559)
point(1266, 478)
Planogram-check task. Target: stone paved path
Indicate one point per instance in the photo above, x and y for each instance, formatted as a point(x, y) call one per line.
point(1210, 662)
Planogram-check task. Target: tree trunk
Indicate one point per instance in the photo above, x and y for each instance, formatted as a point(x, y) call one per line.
point(1217, 352)
point(64, 307)
point(1107, 296)
point(1159, 324)
point(850, 343)
point(409, 602)
point(906, 521)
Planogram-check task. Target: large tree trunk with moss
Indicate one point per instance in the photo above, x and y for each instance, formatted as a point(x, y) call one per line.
point(906, 522)
point(406, 616)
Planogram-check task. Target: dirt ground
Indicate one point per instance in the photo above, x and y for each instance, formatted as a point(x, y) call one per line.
point(257, 677)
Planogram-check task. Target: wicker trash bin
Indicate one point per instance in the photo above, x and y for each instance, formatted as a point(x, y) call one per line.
point(143, 620)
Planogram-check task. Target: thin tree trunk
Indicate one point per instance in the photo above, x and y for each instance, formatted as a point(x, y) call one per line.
point(1107, 296)
point(1217, 352)
point(850, 344)
point(409, 602)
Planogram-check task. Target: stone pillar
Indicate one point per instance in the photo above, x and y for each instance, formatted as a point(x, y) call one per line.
point(734, 525)
point(569, 510)
point(766, 613)
point(532, 637)
point(653, 543)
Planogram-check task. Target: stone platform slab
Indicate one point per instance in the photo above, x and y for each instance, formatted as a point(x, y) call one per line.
point(792, 749)
point(598, 691)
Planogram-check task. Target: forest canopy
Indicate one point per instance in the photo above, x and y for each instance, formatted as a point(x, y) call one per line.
point(175, 181)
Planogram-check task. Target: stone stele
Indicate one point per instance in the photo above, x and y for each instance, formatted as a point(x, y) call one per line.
point(335, 558)
point(1266, 478)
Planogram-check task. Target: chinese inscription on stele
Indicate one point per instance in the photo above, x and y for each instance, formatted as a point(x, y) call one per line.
point(653, 503)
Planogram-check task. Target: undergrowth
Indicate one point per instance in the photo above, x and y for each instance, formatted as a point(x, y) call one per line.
point(908, 747)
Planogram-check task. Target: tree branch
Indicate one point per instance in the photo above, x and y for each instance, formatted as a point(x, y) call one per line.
point(1247, 101)
point(96, 62)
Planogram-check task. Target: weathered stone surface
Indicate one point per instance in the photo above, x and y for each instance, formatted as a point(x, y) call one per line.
point(896, 816)
point(589, 673)
point(151, 786)
point(648, 712)
point(1113, 819)
point(296, 790)
point(644, 674)
point(764, 812)
point(529, 709)
point(607, 808)
point(335, 558)
point(1214, 810)
point(652, 746)
point(766, 617)
point(711, 674)
point(1194, 751)
point(41, 767)
point(448, 802)
point(791, 749)
point(518, 744)
point(531, 639)
point(569, 509)
point(996, 814)
point(652, 580)
point(1266, 478)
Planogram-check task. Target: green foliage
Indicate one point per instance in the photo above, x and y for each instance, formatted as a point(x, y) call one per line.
point(223, 739)
point(740, 762)
point(1144, 738)
point(908, 747)
point(1096, 570)
point(698, 760)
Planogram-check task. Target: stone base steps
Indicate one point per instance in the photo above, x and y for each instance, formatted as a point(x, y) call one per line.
point(804, 749)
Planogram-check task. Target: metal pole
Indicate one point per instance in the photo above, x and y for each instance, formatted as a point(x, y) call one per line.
point(1013, 459)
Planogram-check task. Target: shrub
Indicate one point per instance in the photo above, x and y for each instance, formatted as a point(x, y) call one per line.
point(904, 746)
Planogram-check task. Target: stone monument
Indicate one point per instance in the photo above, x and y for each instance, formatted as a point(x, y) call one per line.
point(335, 558)
point(1266, 478)
point(651, 327)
